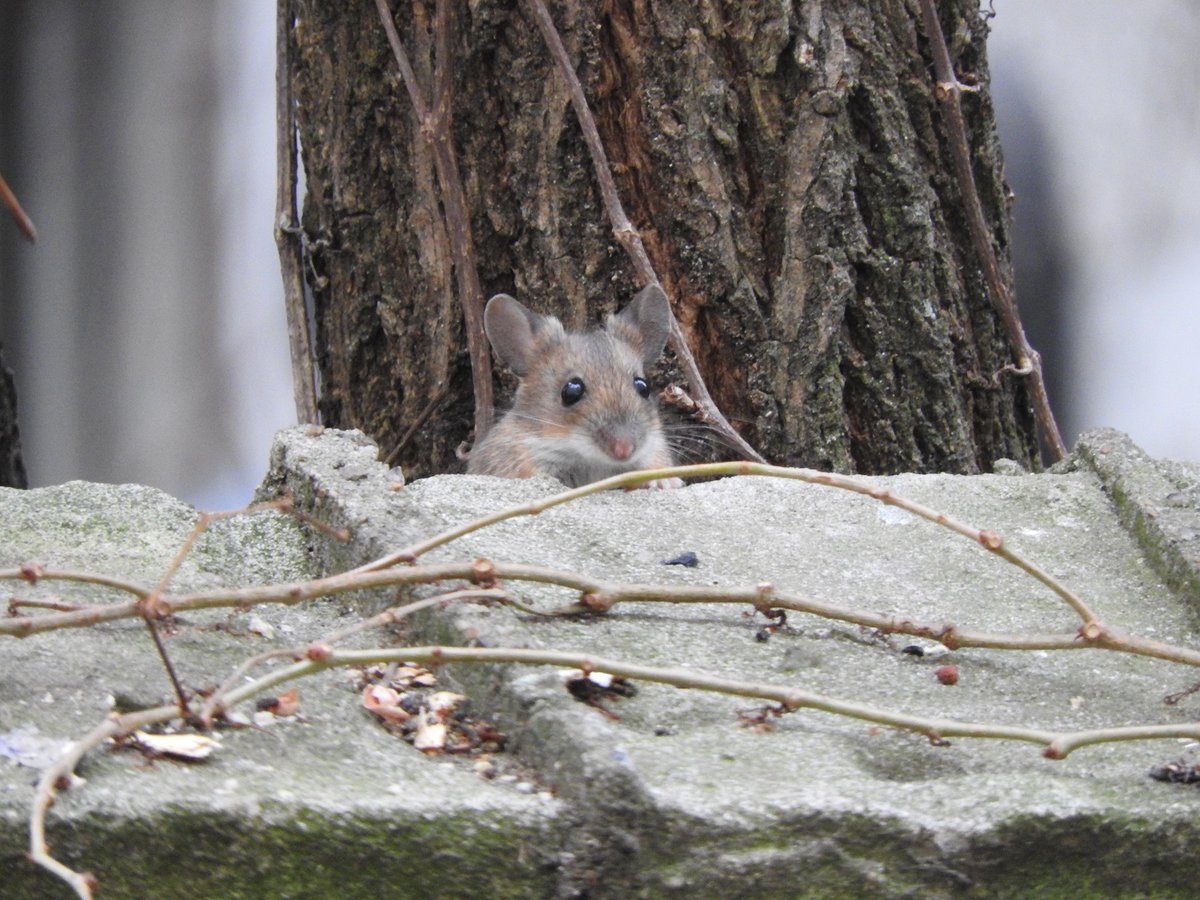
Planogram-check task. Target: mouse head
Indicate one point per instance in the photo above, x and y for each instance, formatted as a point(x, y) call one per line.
point(583, 399)
point(520, 336)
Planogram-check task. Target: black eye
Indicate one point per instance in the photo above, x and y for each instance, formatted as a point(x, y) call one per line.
point(573, 392)
point(639, 385)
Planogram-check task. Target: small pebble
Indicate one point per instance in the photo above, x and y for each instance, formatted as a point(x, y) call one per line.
point(688, 559)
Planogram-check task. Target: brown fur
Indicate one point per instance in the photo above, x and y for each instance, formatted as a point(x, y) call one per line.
point(610, 429)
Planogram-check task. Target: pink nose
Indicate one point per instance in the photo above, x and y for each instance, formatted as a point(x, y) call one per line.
point(621, 448)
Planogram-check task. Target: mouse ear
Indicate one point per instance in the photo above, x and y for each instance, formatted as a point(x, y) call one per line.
point(646, 322)
point(512, 331)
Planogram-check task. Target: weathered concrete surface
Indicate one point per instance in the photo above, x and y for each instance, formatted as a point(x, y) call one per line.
point(331, 806)
point(676, 798)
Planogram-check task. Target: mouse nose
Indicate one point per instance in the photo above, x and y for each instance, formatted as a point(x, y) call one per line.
point(620, 448)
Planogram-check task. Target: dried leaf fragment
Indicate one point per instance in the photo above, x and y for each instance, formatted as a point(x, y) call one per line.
point(414, 676)
point(260, 626)
point(443, 703)
point(385, 703)
point(286, 704)
point(190, 747)
point(431, 733)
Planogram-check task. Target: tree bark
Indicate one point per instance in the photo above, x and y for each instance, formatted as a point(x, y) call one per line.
point(785, 165)
point(12, 466)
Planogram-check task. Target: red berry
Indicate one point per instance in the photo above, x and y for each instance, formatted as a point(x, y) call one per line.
point(947, 674)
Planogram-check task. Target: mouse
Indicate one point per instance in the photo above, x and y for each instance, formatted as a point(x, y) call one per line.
point(583, 410)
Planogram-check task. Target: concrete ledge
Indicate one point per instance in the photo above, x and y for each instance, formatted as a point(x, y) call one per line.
point(676, 797)
point(326, 806)
point(1156, 500)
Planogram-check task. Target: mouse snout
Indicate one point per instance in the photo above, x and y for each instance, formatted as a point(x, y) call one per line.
point(618, 440)
point(620, 448)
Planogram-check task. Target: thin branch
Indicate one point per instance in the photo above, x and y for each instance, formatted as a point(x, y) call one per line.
point(148, 599)
point(435, 129)
point(160, 648)
point(407, 75)
point(13, 205)
point(598, 596)
point(987, 539)
point(443, 71)
point(152, 608)
point(948, 92)
point(1057, 745)
point(97, 579)
point(288, 235)
point(216, 703)
point(627, 235)
point(16, 603)
point(59, 773)
point(205, 520)
point(434, 404)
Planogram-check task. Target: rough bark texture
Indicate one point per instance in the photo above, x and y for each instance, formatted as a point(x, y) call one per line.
point(12, 466)
point(787, 169)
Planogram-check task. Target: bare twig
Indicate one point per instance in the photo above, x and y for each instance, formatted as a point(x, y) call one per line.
point(24, 223)
point(58, 774)
point(160, 648)
point(152, 607)
point(434, 404)
point(627, 235)
point(97, 579)
point(16, 603)
point(216, 703)
point(204, 521)
point(288, 236)
point(434, 128)
point(596, 597)
point(1057, 745)
point(988, 539)
point(948, 91)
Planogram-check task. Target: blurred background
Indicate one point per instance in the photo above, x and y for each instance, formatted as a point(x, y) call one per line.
point(146, 328)
point(1098, 105)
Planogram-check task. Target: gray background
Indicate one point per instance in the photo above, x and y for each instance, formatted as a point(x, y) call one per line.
point(146, 326)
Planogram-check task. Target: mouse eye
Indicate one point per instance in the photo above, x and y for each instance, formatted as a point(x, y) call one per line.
point(639, 385)
point(573, 392)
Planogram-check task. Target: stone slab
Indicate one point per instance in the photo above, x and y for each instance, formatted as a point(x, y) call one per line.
point(322, 806)
point(680, 795)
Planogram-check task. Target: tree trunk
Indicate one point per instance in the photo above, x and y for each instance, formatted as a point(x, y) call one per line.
point(12, 466)
point(785, 164)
